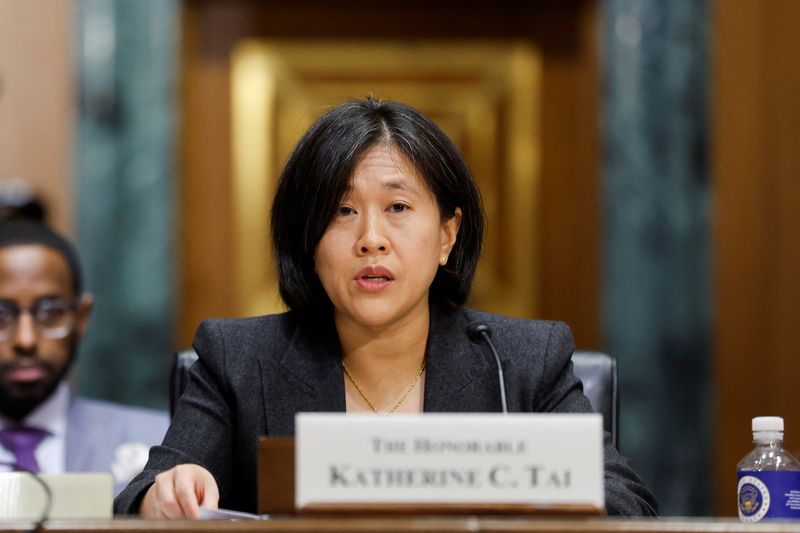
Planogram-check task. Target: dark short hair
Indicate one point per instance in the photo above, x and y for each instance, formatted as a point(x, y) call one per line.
point(318, 173)
point(27, 232)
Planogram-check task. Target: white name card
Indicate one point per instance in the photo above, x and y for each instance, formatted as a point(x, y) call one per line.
point(74, 495)
point(461, 459)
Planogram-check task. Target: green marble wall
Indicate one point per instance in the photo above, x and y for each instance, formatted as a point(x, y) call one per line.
point(127, 57)
point(656, 203)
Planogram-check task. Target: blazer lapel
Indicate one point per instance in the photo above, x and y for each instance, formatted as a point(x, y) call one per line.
point(307, 377)
point(79, 442)
point(458, 376)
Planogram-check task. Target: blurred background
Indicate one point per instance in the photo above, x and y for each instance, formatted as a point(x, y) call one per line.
point(639, 161)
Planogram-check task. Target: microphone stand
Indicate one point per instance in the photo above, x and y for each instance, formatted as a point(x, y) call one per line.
point(480, 332)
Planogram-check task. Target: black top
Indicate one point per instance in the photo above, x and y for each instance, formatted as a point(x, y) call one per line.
point(254, 374)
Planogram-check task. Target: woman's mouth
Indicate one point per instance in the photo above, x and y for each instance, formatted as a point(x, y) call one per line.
point(374, 278)
point(373, 284)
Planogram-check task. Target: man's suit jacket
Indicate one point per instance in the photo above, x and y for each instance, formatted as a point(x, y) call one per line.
point(108, 437)
point(254, 374)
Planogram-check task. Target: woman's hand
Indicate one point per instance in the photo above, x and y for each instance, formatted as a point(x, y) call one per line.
point(179, 492)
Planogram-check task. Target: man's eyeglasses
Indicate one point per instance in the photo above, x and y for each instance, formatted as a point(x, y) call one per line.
point(53, 318)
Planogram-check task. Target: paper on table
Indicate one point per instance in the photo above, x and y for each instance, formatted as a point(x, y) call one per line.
point(226, 514)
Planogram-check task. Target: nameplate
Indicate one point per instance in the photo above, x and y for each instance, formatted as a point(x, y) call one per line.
point(74, 495)
point(467, 461)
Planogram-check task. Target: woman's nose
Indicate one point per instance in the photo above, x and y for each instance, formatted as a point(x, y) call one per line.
point(372, 238)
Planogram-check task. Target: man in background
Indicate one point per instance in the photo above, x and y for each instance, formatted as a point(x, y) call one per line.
point(44, 313)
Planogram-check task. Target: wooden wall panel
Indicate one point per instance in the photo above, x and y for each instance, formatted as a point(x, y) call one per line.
point(37, 100)
point(756, 164)
point(206, 258)
point(570, 207)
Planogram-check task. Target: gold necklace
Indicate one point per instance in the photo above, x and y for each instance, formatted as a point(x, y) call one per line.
point(397, 403)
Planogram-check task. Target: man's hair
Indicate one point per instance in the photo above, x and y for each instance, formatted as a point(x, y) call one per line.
point(318, 173)
point(27, 232)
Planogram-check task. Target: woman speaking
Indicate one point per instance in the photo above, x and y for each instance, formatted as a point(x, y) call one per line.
point(377, 227)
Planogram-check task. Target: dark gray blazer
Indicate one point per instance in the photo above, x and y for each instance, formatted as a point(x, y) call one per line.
point(254, 374)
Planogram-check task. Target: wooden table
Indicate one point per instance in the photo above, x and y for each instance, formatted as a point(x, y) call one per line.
point(433, 524)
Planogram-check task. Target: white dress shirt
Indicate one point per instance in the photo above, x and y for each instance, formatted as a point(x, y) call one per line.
point(50, 416)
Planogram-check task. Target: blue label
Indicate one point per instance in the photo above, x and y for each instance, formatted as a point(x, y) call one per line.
point(769, 494)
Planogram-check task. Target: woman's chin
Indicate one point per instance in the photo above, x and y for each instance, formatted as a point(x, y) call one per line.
point(377, 317)
point(380, 320)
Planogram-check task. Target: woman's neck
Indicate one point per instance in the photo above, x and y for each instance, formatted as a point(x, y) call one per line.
point(403, 340)
point(385, 360)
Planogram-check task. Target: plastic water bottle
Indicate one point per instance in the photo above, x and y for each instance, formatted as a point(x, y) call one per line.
point(769, 476)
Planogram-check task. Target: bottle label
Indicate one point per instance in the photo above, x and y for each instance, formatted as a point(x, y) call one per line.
point(769, 494)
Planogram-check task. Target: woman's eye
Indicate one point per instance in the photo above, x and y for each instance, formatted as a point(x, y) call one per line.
point(343, 211)
point(398, 208)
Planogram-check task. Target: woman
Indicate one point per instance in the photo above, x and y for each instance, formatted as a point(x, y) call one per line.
point(377, 226)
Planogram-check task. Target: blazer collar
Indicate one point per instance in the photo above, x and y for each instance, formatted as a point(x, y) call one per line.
point(454, 364)
point(308, 376)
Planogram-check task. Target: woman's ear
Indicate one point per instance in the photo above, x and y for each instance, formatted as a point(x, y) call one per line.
point(450, 229)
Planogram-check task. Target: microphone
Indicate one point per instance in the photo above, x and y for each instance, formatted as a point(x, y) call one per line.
point(479, 332)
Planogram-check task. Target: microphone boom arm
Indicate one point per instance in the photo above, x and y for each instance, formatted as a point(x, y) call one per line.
point(478, 332)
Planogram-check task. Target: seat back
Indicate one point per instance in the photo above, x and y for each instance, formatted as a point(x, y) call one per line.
point(596, 370)
point(181, 364)
point(598, 373)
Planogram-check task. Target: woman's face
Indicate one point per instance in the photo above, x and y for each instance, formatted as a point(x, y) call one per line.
point(379, 255)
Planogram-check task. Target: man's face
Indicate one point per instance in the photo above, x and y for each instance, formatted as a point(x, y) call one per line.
point(37, 349)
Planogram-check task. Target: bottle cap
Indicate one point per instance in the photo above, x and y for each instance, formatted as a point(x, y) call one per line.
point(768, 423)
